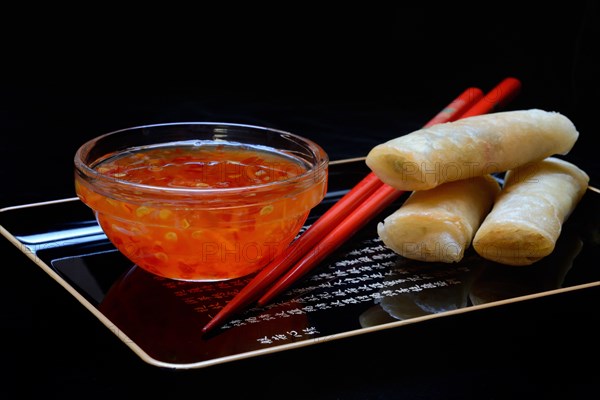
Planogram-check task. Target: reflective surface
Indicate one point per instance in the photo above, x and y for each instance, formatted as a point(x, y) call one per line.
point(361, 287)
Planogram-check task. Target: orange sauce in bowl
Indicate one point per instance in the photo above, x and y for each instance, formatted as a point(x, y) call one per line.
point(225, 210)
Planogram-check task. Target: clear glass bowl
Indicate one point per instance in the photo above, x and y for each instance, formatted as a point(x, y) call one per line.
point(201, 201)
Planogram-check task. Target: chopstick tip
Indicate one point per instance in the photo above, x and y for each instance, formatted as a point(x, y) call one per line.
point(210, 326)
point(209, 330)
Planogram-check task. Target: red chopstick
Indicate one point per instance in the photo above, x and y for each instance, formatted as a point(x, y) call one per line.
point(340, 210)
point(381, 199)
point(497, 98)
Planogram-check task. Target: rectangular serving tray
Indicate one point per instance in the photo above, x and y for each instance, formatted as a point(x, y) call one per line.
point(361, 288)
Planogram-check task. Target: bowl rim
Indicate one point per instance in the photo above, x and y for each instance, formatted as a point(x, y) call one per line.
point(318, 153)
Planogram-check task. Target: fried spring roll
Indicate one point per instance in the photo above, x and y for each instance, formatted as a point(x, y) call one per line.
point(439, 224)
point(527, 218)
point(474, 146)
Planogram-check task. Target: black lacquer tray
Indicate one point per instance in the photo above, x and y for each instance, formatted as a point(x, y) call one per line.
point(361, 288)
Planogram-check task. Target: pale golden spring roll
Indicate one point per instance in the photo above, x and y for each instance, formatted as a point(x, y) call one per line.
point(469, 147)
point(527, 218)
point(439, 224)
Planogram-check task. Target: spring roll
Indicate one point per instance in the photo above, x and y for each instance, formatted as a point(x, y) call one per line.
point(469, 147)
point(527, 218)
point(439, 224)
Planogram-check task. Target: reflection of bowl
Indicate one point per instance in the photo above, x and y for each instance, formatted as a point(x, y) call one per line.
point(201, 201)
point(164, 318)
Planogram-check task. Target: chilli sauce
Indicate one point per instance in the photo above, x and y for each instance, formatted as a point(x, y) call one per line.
point(225, 211)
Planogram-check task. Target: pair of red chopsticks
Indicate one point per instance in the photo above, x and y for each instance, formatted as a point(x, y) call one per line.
point(367, 199)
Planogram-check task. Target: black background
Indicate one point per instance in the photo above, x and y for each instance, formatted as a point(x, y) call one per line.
point(349, 78)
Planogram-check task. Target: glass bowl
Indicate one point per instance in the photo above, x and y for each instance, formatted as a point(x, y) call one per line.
point(201, 201)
